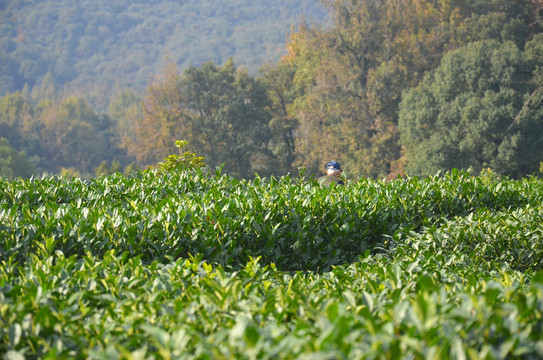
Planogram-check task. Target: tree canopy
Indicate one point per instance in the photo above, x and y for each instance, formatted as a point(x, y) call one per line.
point(220, 111)
point(352, 74)
point(469, 112)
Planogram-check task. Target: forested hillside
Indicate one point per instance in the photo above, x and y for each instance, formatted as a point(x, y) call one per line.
point(385, 87)
point(90, 46)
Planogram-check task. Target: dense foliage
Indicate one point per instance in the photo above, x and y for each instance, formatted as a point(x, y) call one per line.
point(96, 45)
point(475, 111)
point(55, 136)
point(352, 75)
point(179, 264)
point(220, 110)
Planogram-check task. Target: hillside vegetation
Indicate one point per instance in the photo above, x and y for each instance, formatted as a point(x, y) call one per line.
point(386, 88)
point(88, 45)
point(179, 264)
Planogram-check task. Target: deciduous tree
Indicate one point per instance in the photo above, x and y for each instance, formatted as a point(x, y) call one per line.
point(354, 72)
point(72, 135)
point(219, 110)
point(14, 163)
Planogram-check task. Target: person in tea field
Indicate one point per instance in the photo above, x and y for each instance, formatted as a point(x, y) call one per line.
point(333, 174)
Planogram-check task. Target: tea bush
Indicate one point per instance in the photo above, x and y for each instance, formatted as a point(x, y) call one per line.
point(187, 265)
point(294, 224)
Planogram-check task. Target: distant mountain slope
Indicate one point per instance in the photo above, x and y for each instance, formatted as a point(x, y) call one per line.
point(85, 43)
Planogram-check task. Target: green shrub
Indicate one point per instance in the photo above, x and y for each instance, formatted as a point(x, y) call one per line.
point(185, 159)
point(178, 264)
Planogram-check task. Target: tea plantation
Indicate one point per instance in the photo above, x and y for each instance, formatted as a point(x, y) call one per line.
point(184, 265)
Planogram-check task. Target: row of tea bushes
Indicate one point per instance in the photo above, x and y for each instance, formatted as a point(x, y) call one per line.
point(411, 306)
point(295, 224)
point(186, 266)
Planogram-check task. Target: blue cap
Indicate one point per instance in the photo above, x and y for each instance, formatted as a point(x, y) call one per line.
point(333, 165)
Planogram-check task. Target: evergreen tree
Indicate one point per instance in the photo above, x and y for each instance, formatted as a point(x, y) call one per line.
point(463, 114)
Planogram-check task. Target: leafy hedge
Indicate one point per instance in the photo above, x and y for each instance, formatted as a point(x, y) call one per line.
point(183, 265)
point(295, 224)
point(418, 305)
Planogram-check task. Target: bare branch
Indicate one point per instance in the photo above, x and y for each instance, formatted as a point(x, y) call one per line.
point(526, 103)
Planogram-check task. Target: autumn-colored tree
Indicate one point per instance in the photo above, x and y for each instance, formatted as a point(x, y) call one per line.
point(336, 118)
point(163, 121)
point(72, 135)
point(220, 111)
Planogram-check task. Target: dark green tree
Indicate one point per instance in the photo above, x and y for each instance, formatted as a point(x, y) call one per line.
point(124, 109)
point(73, 135)
point(475, 111)
point(279, 84)
point(15, 113)
point(229, 119)
point(14, 163)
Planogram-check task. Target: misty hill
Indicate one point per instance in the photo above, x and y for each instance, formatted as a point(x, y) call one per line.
point(90, 44)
